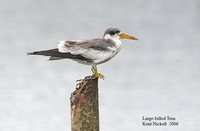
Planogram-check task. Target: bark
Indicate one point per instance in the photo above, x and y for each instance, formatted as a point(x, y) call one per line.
point(85, 106)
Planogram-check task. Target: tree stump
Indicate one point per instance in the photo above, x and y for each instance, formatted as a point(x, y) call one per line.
point(85, 105)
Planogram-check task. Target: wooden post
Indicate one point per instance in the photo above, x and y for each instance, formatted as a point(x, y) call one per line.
point(85, 106)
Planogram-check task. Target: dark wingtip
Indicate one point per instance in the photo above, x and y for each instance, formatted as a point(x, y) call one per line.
point(54, 58)
point(30, 53)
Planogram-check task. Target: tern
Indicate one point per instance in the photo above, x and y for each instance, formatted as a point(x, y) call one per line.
point(89, 52)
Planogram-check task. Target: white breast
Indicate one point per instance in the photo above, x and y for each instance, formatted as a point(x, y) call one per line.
point(99, 56)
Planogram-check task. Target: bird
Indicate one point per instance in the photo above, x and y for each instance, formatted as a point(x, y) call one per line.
point(89, 52)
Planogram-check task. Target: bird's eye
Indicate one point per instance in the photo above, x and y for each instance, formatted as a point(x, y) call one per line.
point(112, 33)
point(117, 32)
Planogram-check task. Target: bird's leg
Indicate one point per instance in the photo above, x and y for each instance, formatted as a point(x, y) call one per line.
point(96, 73)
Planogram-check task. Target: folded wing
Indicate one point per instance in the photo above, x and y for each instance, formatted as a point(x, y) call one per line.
point(90, 49)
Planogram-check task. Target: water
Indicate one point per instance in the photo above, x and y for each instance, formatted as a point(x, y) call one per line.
point(157, 76)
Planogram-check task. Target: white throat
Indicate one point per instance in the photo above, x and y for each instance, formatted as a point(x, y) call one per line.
point(115, 39)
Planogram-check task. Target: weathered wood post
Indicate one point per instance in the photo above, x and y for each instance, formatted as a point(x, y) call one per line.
point(85, 106)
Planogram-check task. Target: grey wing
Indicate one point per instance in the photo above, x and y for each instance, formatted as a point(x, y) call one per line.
point(86, 48)
point(101, 44)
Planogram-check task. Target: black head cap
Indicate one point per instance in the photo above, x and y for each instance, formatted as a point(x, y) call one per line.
point(111, 31)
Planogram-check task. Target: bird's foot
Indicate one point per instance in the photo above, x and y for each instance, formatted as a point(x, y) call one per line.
point(99, 75)
point(96, 73)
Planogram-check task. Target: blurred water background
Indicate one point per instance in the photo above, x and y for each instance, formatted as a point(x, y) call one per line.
point(159, 75)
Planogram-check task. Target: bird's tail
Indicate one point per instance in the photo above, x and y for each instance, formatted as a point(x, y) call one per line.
point(50, 52)
point(54, 54)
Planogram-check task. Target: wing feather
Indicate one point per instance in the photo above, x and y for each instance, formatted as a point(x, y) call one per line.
point(86, 48)
point(54, 54)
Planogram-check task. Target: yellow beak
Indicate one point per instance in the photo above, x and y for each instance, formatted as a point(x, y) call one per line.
point(126, 36)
